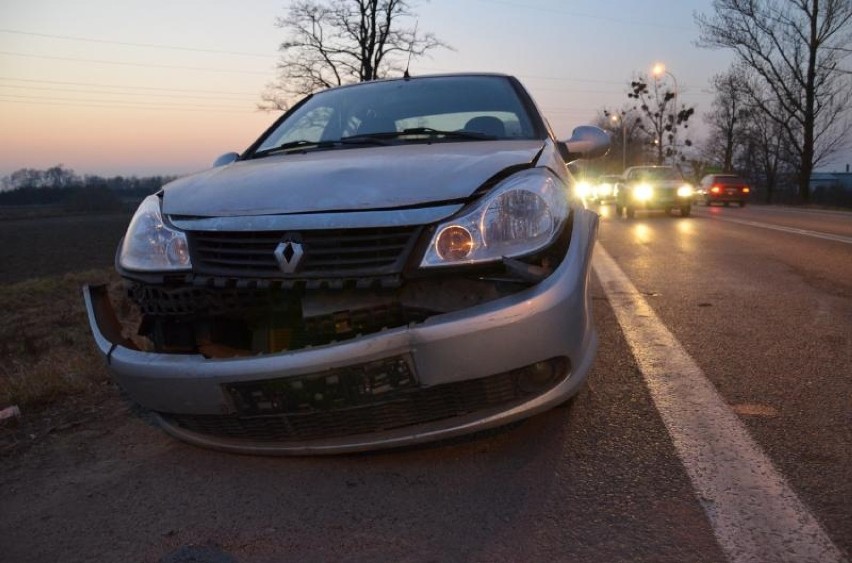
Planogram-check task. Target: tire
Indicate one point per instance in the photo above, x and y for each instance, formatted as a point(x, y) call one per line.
point(727, 204)
point(631, 212)
point(685, 210)
point(619, 210)
point(742, 204)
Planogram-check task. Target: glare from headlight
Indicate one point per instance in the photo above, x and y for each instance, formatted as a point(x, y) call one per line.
point(584, 189)
point(643, 192)
point(150, 245)
point(685, 191)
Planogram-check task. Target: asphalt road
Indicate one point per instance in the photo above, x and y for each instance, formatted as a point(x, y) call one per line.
point(758, 299)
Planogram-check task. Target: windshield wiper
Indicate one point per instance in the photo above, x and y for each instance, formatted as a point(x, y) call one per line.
point(370, 138)
point(384, 137)
point(296, 145)
point(378, 138)
point(460, 134)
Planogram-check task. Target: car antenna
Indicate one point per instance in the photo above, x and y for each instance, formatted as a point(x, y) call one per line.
point(406, 75)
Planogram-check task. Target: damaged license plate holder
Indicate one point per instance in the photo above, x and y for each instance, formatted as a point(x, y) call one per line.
point(341, 388)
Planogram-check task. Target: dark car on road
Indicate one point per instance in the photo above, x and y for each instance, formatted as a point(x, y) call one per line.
point(653, 188)
point(392, 262)
point(725, 189)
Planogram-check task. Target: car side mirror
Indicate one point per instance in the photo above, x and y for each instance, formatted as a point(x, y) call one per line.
point(585, 142)
point(226, 158)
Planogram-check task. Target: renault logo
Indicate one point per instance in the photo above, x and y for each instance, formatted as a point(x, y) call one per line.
point(288, 254)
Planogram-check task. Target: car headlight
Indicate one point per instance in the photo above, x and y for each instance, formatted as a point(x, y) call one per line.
point(523, 214)
point(643, 192)
point(150, 245)
point(584, 190)
point(685, 191)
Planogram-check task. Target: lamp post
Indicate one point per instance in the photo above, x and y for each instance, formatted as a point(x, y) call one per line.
point(620, 118)
point(658, 70)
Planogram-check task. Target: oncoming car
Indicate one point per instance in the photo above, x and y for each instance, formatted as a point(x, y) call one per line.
point(391, 262)
point(654, 188)
point(599, 190)
point(605, 188)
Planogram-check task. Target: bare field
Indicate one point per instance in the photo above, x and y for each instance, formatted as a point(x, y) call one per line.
point(49, 366)
point(49, 245)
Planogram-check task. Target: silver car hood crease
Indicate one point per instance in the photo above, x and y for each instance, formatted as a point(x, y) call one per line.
point(347, 179)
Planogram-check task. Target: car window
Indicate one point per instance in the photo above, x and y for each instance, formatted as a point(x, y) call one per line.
point(489, 105)
point(308, 127)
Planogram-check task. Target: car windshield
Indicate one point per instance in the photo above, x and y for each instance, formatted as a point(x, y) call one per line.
point(658, 174)
point(428, 109)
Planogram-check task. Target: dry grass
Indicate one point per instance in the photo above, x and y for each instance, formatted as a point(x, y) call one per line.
point(46, 348)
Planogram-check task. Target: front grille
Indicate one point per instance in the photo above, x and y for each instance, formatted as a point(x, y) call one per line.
point(395, 408)
point(327, 253)
point(193, 301)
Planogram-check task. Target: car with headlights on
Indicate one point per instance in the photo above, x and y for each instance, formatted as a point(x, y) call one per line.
point(605, 188)
point(653, 188)
point(598, 190)
point(391, 262)
point(725, 189)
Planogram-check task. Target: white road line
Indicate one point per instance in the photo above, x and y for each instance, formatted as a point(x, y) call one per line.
point(793, 230)
point(754, 513)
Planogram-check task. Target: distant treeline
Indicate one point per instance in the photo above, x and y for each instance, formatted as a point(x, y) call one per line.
point(60, 186)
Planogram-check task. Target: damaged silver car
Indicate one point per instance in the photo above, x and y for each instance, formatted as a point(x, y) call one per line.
point(392, 262)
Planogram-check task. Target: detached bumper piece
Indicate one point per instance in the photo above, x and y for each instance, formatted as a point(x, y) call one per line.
point(372, 398)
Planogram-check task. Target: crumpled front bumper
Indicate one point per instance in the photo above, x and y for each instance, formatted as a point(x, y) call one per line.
point(551, 319)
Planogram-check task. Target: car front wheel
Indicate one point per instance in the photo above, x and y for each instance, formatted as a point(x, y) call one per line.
point(685, 210)
point(631, 212)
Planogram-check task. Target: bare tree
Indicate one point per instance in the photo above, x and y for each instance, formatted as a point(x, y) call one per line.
point(728, 117)
point(660, 117)
point(628, 139)
point(794, 47)
point(765, 156)
point(335, 42)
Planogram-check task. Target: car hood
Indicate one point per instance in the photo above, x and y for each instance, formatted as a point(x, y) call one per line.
point(353, 179)
point(660, 183)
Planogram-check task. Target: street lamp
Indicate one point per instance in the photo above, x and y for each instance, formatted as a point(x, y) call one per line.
point(658, 70)
point(615, 118)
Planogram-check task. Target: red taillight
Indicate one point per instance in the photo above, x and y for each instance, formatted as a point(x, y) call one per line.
point(715, 189)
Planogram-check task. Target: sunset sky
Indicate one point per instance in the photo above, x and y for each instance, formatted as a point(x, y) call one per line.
point(163, 87)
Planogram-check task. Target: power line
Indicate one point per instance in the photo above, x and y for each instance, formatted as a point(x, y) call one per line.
point(202, 97)
point(98, 85)
point(65, 102)
point(129, 44)
point(632, 23)
point(121, 63)
point(108, 101)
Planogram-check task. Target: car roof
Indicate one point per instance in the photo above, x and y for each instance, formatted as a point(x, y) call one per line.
point(648, 166)
point(422, 76)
